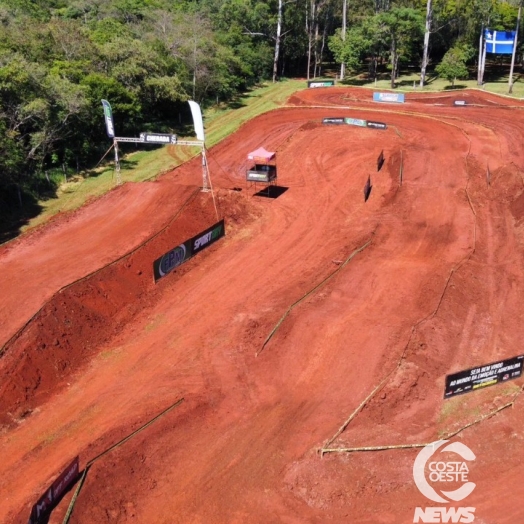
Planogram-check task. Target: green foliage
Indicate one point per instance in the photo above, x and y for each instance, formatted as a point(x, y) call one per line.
point(453, 65)
point(353, 50)
point(507, 15)
point(30, 8)
point(107, 30)
point(59, 58)
point(395, 34)
point(400, 28)
point(11, 154)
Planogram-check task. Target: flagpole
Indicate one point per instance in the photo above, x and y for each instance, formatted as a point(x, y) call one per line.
point(510, 86)
point(479, 78)
point(483, 62)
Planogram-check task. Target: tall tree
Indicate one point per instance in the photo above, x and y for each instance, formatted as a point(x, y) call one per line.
point(191, 40)
point(453, 65)
point(425, 53)
point(314, 16)
point(278, 37)
point(401, 28)
point(343, 35)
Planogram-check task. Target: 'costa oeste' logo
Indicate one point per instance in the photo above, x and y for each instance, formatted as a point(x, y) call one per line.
point(443, 471)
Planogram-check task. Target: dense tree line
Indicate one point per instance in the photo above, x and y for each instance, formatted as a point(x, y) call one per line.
point(59, 58)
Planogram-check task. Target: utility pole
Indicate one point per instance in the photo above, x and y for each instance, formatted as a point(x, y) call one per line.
point(481, 47)
point(483, 63)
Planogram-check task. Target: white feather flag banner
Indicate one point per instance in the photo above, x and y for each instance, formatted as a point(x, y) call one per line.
point(198, 123)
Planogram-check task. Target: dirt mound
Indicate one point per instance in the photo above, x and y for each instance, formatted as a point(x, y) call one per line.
point(80, 318)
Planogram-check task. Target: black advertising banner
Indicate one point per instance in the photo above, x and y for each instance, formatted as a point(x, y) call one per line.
point(334, 120)
point(64, 481)
point(183, 252)
point(158, 138)
point(42, 508)
point(172, 259)
point(52, 496)
point(376, 125)
point(484, 376)
point(207, 237)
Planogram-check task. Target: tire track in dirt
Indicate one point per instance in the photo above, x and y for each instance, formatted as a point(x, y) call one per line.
point(243, 447)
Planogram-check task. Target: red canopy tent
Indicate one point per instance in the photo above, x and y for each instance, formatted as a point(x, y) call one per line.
point(261, 155)
point(263, 168)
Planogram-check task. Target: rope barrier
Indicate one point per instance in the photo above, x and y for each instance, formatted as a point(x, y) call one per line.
point(119, 443)
point(206, 166)
point(381, 384)
point(296, 303)
point(409, 446)
point(75, 496)
point(89, 275)
point(105, 154)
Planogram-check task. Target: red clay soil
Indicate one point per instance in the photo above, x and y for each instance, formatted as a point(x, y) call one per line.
point(94, 349)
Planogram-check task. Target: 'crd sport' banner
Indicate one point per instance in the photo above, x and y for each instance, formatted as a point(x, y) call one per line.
point(333, 120)
point(376, 125)
point(500, 42)
point(183, 252)
point(108, 113)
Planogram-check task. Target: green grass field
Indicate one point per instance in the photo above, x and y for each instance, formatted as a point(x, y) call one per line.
point(410, 83)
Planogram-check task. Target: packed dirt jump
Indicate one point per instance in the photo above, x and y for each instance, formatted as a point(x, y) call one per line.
point(321, 321)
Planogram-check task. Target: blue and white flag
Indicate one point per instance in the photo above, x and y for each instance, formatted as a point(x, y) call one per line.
point(500, 42)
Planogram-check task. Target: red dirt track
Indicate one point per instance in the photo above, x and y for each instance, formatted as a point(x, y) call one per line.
point(93, 349)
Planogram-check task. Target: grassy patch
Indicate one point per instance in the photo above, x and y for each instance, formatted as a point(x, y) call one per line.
point(221, 122)
point(111, 354)
point(465, 409)
point(410, 83)
point(156, 322)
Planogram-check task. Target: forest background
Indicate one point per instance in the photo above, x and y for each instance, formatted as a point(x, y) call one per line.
point(59, 58)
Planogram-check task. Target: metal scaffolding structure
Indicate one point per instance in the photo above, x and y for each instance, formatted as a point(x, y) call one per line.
point(161, 139)
point(142, 140)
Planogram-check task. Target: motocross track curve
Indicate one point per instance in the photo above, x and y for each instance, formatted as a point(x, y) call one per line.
point(93, 348)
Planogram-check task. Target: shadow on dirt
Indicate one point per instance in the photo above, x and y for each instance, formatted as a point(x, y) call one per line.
point(367, 189)
point(271, 191)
